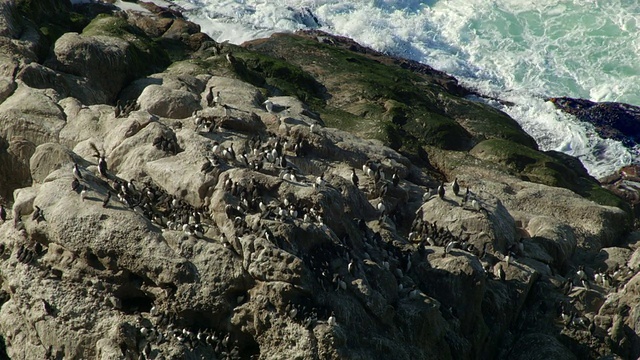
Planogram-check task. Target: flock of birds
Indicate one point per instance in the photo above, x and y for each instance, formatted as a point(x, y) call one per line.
point(271, 154)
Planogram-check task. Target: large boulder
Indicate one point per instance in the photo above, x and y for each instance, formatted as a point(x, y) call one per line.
point(167, 102)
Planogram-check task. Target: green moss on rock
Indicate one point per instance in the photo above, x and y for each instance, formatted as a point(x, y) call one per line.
point(551, 169)
point(376, 93)
point(146, 55)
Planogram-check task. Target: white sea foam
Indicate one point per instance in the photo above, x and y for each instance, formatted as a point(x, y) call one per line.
point(520, 51)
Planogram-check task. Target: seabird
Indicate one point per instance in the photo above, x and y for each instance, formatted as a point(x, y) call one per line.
point(354, 178)
point(3, 213)
point(230, 58)
point(217, 100)
point(46, 307)
point(352, 266)
point(209, 97)
point(17, 222)
point(466, 196)
point(207, 166)
point(582, 275)
point(268, 104)
point(383, 189)
point(320, 180)
point(501, 274)
point(102, 166)
point(456, 187)
point(105, 202)
point(118, 109)
point(229, 153)
point(38, 214)
point(441, 190)
point(367, 168)
point(102, 162)
point(381, 207)
point(76, 171)
point(395, 178)
point(331, 321)
point(83, 193)
point(75, 184)
point(450, 246)
point(476, 205)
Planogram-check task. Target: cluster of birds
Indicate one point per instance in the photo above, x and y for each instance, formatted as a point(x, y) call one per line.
point(167, 143)
point(160, 328)
point(213, 100)
point(124, 109)
point(578, 284)
point(27, 254)
point(250, 197)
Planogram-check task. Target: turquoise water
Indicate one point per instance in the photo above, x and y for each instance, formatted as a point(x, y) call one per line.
point(514, 50)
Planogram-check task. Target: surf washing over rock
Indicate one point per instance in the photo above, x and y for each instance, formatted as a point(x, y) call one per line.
point(519, 53)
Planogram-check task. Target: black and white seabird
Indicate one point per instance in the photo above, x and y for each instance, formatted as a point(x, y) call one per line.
point(320, 181)
point(217, 100)
point(229, 153)
point(456, 187)
point(102, 162)
point(268, 104)
point(38, 214)
point(354, 178)
point(3, 213)
point(384, 189)
point(102, 166)
point(441, 190)
point(395, 179)
point(76, 171)
point(230, 58)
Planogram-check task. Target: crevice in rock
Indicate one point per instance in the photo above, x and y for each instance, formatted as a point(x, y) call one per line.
point(133, 299)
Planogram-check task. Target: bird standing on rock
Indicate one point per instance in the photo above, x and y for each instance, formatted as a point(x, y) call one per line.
point(3, 213)
point(395, 179)
point(209, 97)
point(76, 171)
point(268, 104)
point(217, 100)
point(354, 178)
point(441, 190)
point(105, 202)
point(83, 193)
point(455, 186)
point(102, 162)
point(38, 214)
point(75, 184)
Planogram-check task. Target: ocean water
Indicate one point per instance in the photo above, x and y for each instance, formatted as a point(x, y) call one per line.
point(518, 51)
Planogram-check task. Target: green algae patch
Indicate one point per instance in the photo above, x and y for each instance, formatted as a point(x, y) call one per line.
point(146, 55)
point(550, 168)
point(278, 76)
point(393, 104)
point(486, 122)
point(528, 163)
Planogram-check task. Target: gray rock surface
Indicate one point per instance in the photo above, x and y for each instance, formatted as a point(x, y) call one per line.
point(191, 252)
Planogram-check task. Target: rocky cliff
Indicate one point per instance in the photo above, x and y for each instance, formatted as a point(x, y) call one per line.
point(298, 197)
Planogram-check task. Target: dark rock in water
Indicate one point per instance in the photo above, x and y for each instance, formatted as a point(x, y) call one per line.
point(612, 120)
point(626, 184)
